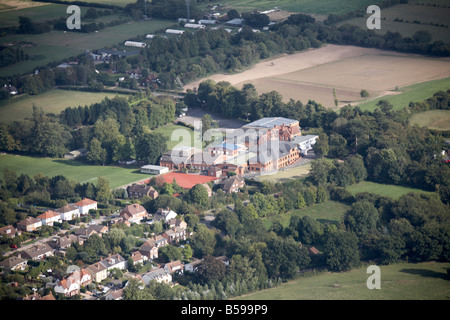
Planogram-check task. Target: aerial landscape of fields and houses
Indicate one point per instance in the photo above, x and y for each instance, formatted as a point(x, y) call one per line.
point(237, 150)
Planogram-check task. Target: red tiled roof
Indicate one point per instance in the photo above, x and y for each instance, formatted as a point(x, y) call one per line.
point(48, 214)
point(187, 180)
point(84, 202)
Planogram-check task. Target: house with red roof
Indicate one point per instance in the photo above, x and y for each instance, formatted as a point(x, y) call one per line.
point(85, 205)
point(49, 217)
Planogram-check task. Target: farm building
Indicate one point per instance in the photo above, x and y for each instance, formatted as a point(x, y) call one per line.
point(174, 31)
point(154, 169)
point(194, 26)
point(150, 36)
point(207, 22)
point(135, 44)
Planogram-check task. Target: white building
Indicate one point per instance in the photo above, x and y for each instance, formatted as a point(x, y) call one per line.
point(174, 31)
point(194, 26)
point(49, 217)
point(160, 275)
point(207, 22)
point(68, 212)
point(151, 169)
point(305, 143)
point(135, 44)
point(85, 205)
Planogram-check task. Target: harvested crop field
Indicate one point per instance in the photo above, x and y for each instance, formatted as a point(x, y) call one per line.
point(313, 74)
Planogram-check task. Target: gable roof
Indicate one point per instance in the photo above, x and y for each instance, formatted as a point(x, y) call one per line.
point(28, 221)
point(67, 208)
point(48, 215)
point(132, 209)
point(84, 202)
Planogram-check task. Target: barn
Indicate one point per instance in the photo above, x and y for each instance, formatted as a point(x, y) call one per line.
point(135, 44)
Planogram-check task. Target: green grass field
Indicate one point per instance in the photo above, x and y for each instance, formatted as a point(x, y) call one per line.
point(331, 212)
point(309, 6)
point(121, 3)
point(427, 15)
point(72, 169)
point(53, 101)
point(57, 45)
point(401, 281)
point(385, 190)
point(433, 119)
point(167, 131)
point(289, 174)
point(416, 92)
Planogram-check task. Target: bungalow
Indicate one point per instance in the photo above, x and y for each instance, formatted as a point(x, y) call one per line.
point(85, 205)
point(29, 224)
point(93, 229)
point(75, 154)
point(141, 190)
point(38, 252)
point(68, 212)
point(134, 213)
point(160, 275)
point(10, 231)
point(14, 263)
point(175, 235)
point(49, 217)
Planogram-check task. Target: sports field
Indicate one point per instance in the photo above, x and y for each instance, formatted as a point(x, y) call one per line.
point(72, 169)
point(53, 101)
point(313, 74)
point(386, 190)
point(433, 119)
point(400, 281)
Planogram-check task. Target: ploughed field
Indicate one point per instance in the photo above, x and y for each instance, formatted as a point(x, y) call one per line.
point(313, 74)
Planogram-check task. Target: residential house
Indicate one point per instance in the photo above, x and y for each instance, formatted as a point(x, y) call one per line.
point(29, 224)
point(232, 184)
point(114, 262)
point(68, 212)
point(164, 214)
point(177, 223)
point(138, 257)
point(115, 295)
point(37, 296)
point(92, 229)
point(14, 264)
point(305, 143)
point(85, 205)
point(174, 266)
point(49, 217)
point(160, 275)
point(141, 190)
point(175, 235)
point(10, 231)
point(149, 249)
point(37, 252)
point(98, 271)
point(134, 213)
point(72, 284)
point(192, 267)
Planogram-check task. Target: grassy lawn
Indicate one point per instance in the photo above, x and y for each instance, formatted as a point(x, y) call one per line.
point(289, 174)
point(121, 3)
point(309, 6)
point(401, 281)
point(72, 169)
point(385, 190)
point(53, 101)
point(416, 92)
point(57, 45)
point(186, 139)
point(433, 119)
point(328, 212)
